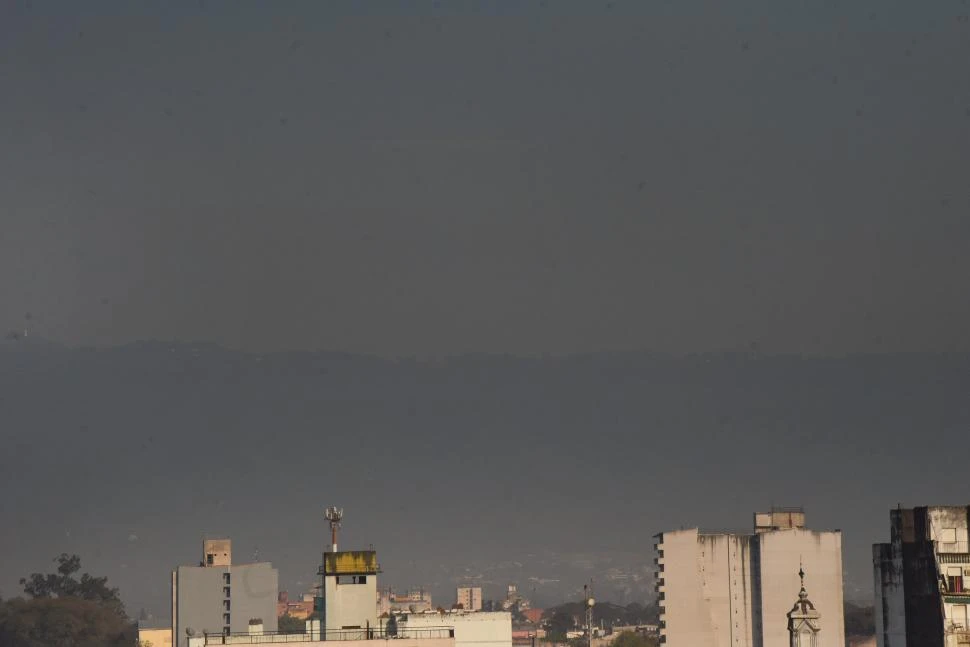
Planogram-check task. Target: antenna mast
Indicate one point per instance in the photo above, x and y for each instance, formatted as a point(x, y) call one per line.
point(334, 515)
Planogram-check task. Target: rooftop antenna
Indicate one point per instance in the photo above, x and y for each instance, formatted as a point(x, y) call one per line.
point(334, 515)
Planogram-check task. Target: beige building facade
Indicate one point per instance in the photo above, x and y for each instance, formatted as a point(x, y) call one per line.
point(469, 598)
point(722, 589)
point(155, 637)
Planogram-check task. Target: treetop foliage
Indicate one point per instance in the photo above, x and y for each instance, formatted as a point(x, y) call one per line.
point(65, 611)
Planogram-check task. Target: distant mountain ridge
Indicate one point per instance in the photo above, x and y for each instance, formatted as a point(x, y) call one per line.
point(455, 468)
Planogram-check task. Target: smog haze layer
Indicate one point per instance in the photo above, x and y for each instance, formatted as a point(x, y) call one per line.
point(518, 285)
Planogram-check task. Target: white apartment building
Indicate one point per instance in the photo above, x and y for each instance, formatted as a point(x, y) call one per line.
point(470, 598)
point(723, 589)
point(471, 629)
point(922, 577)
point(219, 597)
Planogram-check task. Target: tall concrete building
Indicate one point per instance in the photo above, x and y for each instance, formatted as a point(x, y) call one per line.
point(219, 597)
point(723, 589)
point(470, 598)
point(349, 592)
point(920, 576)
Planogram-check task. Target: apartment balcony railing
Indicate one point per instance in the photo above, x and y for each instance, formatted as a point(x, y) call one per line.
point(962, 634)
point(945, 547)
point(956, 552)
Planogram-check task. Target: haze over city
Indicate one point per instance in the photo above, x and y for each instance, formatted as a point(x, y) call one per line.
point(519, 285)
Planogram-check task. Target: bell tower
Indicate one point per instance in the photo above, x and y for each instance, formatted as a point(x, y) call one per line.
point(804, 621)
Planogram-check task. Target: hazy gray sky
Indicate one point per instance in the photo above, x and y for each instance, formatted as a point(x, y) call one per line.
point(436, 177)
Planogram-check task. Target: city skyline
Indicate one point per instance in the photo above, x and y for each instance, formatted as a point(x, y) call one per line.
point(520, 284)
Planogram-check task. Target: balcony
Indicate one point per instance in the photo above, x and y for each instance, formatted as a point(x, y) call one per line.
point(961, 634)
point(952, 549)
point(957, 555)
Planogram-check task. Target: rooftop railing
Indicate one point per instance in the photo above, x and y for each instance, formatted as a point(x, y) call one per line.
point(275, 637)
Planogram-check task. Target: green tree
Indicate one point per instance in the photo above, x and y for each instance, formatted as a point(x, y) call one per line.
point(64, 584)
point(630, 639)
point(64, 611)
point(560, 622)
point(63, 622)
point(290, 625)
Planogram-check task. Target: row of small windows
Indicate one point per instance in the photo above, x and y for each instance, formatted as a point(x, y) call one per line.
point(227, 603)
point(351, 579)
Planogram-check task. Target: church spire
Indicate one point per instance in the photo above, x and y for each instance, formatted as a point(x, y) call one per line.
point(803, 620)
point(802, 594)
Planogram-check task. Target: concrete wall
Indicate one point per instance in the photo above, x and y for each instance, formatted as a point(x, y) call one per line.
point(780, 555)
point(890, 608)
point(708, 597)
point(724, 590)
point(155, 637)
point(350, 605)
point(947, 526)
point(200, 599)
point(484, 629)
point(217, 552)
point(254, 593)
point(685, 617)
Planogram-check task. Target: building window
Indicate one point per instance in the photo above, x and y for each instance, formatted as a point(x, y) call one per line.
point(226, 579)
point(225, 591)
point(351, 579)
point(226, 605)
point(959, 615)
point(948, 540)
point(225, 618)
point(954, 579)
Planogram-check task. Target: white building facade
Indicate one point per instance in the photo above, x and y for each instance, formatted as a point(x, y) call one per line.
point(921, 578)
point(470, 598)
point(350, 591)
point(471, 629)
point(218, 597)
point(722, 589)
